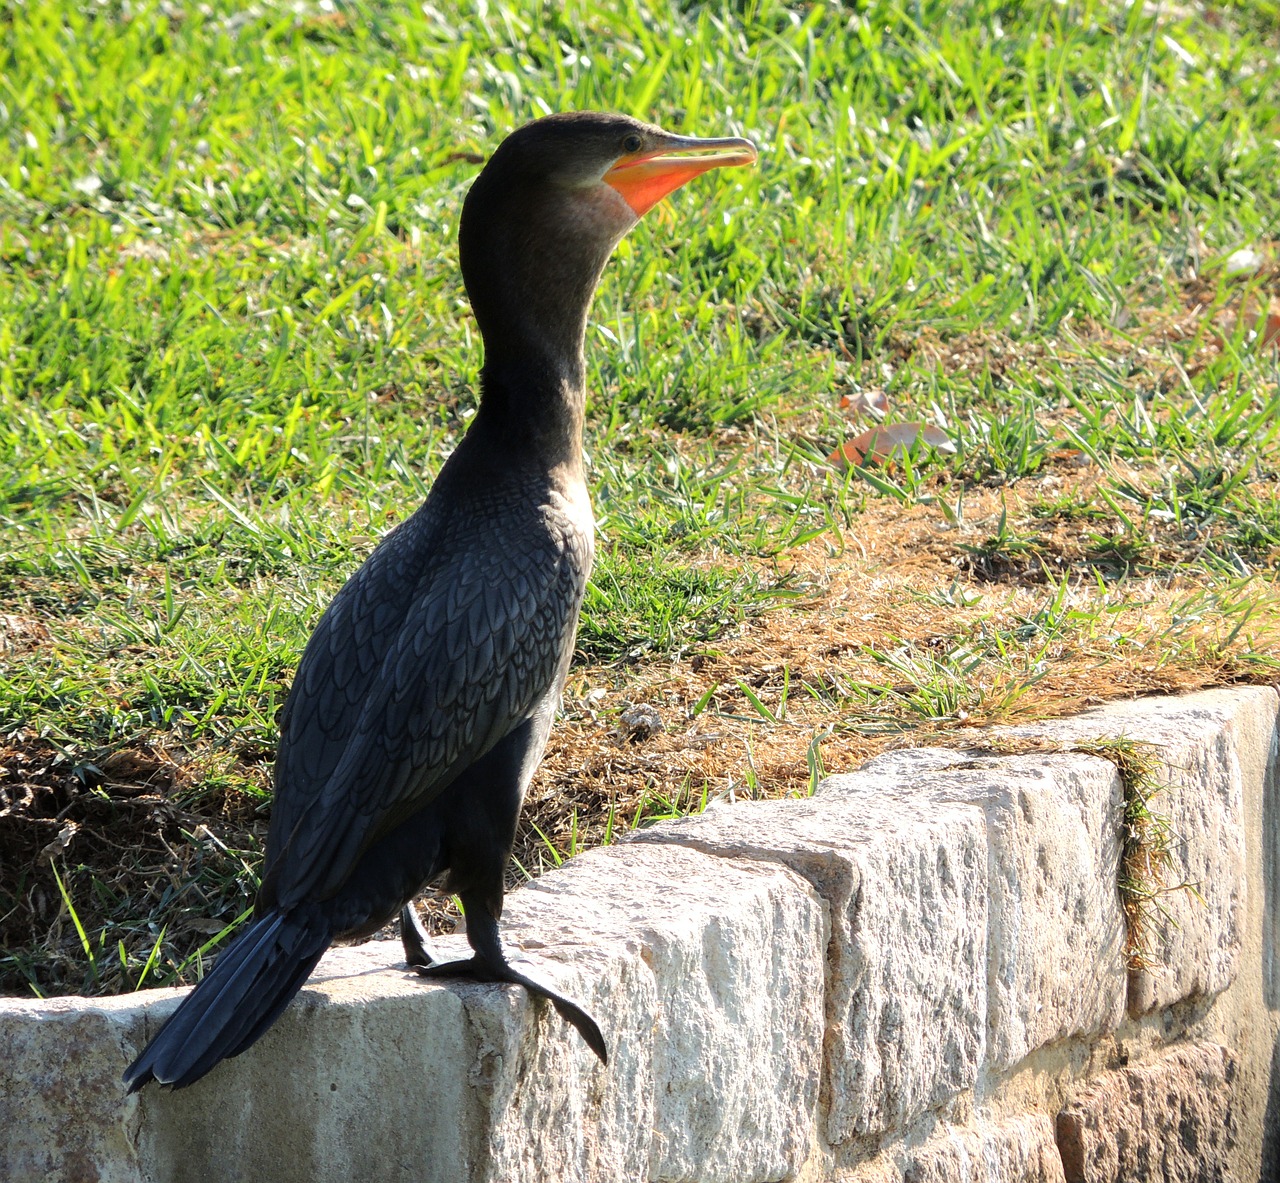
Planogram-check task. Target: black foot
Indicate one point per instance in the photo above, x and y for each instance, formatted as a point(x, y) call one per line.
point(419, 952)
point(483, 971)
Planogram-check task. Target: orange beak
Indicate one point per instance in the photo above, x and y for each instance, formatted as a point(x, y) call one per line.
point(645, 178)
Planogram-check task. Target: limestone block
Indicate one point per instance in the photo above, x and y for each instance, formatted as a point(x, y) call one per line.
point(1201, 739)
point(906, 986)
point(1055, 935)
point(1017, 1150)
point(717, 1061)
point(881, 1169)
point(1167, 1120)
point(60, 1061)
point(370, 1074)
point(706, 977)
point(1020, 1150)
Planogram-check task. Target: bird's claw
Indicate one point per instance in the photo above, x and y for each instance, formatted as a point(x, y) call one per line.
point(467, 968)
point(569, 1010)
point(419, 952)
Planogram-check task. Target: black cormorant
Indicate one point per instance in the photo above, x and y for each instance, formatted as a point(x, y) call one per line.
point(424, 698)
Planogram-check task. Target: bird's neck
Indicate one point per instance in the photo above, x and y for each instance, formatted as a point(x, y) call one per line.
point(531, 260)
point(533, 383)
point(532, 401)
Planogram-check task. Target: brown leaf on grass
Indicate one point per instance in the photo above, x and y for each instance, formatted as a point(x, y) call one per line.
point(879, 444)
point(1270, 333)
point(59, 844)
point(1261, 324)
point(873, 402)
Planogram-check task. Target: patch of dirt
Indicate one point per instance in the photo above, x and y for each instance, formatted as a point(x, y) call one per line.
point(903, 584)
point(19, 634)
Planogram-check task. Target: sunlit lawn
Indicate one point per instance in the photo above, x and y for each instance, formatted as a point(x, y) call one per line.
point(234, 348)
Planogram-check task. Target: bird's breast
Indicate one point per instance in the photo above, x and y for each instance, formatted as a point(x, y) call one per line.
point(572, 504)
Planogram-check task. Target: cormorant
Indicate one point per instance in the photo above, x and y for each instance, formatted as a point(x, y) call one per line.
point(424, 698)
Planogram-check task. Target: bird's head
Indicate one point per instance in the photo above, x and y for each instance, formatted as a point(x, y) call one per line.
point(552, 203)
point(587, 158)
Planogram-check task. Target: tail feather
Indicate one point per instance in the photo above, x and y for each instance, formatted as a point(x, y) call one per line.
point(244, 993)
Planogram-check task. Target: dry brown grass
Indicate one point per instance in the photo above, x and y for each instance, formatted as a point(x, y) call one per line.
point(878, 594)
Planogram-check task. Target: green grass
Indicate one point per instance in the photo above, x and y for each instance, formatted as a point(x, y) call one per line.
point(234, 348)
point(1147, 863)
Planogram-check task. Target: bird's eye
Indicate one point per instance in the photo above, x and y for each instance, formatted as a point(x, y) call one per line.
point(632, 143)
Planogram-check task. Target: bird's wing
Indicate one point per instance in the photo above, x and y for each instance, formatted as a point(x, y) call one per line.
point(410, 677)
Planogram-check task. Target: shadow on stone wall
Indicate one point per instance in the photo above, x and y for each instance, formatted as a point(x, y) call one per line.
point(1270, 970)
point(1271, 1124)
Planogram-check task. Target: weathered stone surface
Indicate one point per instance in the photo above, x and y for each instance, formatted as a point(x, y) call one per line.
point(1255, 724)
point(881, 1169)
point(906, 988)
point(956, 910)
point(1194, 947)
point(717, 1062)
point(1020, 1150)
point(368, 1075)
point(60, 1064)
point(1168, 1120)
point(1055, 932)
point(1017, 1150)
point(706, 976)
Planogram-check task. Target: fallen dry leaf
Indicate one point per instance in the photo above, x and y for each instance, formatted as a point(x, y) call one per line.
point(879, 444)
point(1261, 323)
point(866, 402)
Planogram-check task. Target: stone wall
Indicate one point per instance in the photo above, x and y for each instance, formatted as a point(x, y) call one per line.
point(919, 974)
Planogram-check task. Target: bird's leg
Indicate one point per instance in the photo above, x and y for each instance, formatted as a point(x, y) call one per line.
point(419, 952)
point(490, 964)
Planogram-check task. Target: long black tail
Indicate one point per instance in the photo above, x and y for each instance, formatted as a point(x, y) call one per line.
point(244, 993)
